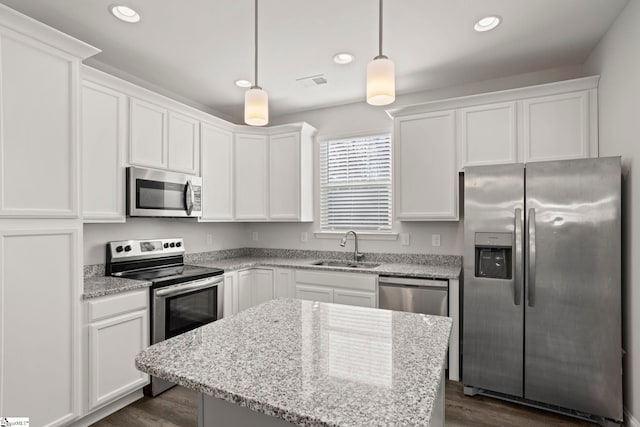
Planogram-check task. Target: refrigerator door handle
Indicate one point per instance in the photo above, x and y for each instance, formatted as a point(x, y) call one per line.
point(517, 280)
point(531, 258)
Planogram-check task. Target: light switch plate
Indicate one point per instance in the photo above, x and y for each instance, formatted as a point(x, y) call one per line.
point(254, 236)
point(405, 239)
point(209, 239)
point(435, 240)
point(304, 236)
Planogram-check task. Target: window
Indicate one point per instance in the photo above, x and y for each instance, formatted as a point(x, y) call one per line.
point(355, 184)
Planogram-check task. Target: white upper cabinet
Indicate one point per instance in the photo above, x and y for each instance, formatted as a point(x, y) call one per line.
point(217, 173)
point(148, 124)
point(162, 138)
point(291, 175)
point(559, 127)
point(488, 134)
point(39, 118)
point(425, 170)
point(184, 143)
point(552, 121)
point(104, 123)
point(251, 176)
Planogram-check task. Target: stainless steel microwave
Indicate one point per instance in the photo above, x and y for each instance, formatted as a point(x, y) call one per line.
point(156, 193)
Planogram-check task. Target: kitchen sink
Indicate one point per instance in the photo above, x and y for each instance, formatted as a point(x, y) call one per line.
point(347, 264)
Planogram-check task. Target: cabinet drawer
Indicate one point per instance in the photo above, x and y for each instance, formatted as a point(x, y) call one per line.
point(114, 305)
point(355, 281)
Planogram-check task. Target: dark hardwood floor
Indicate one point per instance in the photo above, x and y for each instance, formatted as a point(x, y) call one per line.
point(177, 408)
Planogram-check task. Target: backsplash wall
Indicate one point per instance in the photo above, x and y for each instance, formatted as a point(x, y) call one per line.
point(224, 236)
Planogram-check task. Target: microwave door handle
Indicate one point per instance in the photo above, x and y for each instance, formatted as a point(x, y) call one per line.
point(188, 197)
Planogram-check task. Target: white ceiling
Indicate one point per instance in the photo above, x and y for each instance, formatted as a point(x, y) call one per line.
point(198, 48)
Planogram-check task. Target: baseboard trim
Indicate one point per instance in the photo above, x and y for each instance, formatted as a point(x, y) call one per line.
point(105, 411)
point(630, 420)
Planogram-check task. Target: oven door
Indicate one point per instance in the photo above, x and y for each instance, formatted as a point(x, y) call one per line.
point(186, 306)
point(155, 193)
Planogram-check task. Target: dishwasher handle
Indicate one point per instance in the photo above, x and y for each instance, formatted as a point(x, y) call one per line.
point(418, 283)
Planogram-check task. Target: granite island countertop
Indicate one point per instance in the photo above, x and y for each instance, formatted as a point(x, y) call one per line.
point(313, 363)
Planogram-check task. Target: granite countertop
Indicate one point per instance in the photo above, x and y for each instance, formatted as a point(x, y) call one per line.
point(99, 286)
point(444, 271)
point(313, 363)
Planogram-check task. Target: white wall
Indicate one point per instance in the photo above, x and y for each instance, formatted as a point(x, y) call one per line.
point(362, 119)
point(617, 60)
point(224, 236)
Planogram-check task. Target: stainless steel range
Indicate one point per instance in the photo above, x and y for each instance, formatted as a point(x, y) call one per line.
point(183, 297)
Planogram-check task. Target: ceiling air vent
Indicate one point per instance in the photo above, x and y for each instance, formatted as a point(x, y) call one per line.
point(310, 81)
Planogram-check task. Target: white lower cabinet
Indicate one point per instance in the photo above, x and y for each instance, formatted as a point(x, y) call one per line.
point(255, 286)
point(284, 283)
point(314, 293)
point(340, 288)
point(40, 353)
point(230, 304)
point(118, 328)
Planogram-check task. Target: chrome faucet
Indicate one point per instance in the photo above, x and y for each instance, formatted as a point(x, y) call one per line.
point(343, 242)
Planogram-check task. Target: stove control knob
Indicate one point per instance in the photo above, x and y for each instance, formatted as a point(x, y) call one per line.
point(127, 248)
point(178, 244)
point(173, 245)
point(166, 245)
point(119, 249)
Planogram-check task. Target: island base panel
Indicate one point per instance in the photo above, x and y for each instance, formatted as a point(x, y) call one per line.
point(214, 412)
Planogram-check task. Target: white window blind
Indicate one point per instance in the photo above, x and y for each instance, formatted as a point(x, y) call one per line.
point(355, 184)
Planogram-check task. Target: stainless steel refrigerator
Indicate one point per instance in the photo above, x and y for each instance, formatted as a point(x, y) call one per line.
point(542, 284)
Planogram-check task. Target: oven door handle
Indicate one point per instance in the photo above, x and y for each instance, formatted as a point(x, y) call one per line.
point(183, 289)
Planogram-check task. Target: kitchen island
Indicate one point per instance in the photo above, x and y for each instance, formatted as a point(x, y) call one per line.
point(308, 363)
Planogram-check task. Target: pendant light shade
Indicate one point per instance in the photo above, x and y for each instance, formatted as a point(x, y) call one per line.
point(256, 107)
point(256, 100)
point(381, 81)
point(381, 78)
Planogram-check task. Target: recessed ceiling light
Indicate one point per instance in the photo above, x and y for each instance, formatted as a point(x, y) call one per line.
point(342, 58)
point(243, 83)
point(125, 13)
point(487, 23)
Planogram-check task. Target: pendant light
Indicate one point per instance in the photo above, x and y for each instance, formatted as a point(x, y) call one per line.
point(256, 100)
point(381, 84)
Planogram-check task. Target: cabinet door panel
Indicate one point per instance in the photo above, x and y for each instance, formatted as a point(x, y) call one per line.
point(217, 174)
point(251, 177)
point(244, 289)
point(147, 142)
point(488, 134)
point(556, 127)
point(39, 324)
point(362, 299)
point(425, 167)
point(284, 182)
point(103, 138)
point(39, 144)
point(262, 289)
point(284, 284)
point(184, 143)
point(314, 293)
point(113, 346)
point(230, 305)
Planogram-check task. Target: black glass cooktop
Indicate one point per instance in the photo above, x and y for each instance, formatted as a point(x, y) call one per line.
point(166, 276)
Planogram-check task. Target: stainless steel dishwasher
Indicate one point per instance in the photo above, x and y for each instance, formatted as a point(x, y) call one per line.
point(428, 296)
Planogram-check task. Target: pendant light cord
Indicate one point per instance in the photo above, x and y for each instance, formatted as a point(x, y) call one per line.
point(255, 35)
point(380, 30)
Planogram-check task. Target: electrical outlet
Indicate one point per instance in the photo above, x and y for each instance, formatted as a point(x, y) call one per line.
point(435, 240)
point(209, 239)
point(254, 236)
point(304, 236)
point(405, 239)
